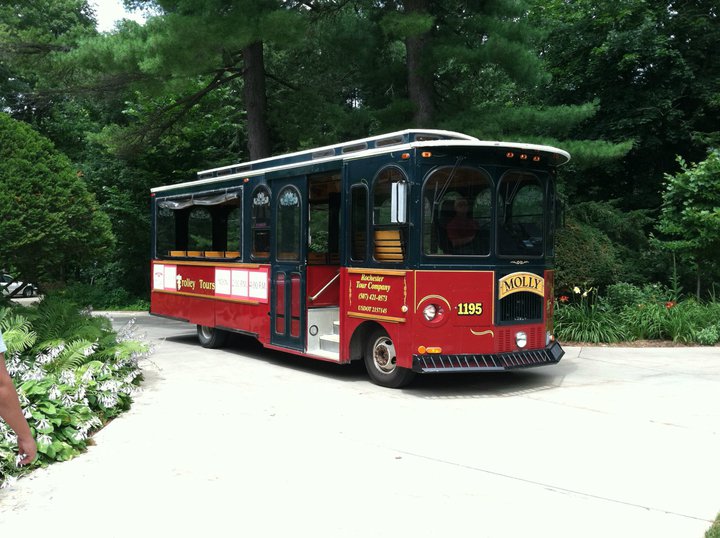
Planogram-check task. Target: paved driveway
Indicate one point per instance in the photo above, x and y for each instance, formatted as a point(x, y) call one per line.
point(246, 442)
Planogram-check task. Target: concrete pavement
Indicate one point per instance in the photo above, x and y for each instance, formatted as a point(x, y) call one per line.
point(254, 443)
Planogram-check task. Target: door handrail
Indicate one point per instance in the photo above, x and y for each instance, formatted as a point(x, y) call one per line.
point(326, 286)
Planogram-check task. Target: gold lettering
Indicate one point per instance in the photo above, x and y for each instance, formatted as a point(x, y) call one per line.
point(517, 282)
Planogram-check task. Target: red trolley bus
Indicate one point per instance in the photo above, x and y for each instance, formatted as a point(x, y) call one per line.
point(419, 251)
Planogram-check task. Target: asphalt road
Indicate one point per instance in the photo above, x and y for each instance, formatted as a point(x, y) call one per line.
point(254, 443)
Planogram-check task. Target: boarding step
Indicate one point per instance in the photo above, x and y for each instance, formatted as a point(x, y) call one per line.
point(330, 342)
point(327, 355)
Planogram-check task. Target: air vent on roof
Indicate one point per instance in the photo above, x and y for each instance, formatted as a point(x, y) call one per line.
point(323, 153)
point(392, 141)
point(355, 147)
point(425, 138)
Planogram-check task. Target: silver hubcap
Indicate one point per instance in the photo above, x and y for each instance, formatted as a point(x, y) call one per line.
point(206, 332)
point(384, 356)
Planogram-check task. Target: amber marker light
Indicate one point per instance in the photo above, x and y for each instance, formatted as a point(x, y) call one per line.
point(246, 180)
point(421, 350)
point(523, 157)
point(405, 155)
point(536, 159)
point(426, 154)
point(434, 350)
point(509, 155)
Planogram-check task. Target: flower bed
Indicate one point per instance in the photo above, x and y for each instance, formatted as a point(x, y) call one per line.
point(73, 373)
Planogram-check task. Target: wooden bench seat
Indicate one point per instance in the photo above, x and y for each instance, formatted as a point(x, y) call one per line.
point(389, 246)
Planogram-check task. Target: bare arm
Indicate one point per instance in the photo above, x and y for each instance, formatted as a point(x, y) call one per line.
point(11, 413)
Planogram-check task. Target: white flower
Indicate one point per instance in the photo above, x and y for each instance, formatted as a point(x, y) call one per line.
point(67, 377)
point(42, 424)
point(54, 393)
point(576, 289)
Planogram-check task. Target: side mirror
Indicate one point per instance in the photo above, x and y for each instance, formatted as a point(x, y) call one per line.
point(398, 203)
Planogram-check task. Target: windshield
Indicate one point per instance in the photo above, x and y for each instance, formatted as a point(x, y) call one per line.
point(457, 202)
point(520, 215)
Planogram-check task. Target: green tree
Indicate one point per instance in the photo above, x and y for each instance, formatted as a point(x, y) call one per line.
point(188, 51)
point(690, 217)
point(51, 226)
point(33, 35)
point(645, 65)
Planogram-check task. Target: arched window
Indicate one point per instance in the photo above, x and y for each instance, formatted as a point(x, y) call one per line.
point(261, 223)
point(288, 225)
point(390, 236)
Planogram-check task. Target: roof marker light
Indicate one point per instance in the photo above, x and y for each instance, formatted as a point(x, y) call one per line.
point(426, 154)
point(509, 155)
point(405, 155)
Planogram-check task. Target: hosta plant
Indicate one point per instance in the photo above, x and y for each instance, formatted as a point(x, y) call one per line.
point(73, 373)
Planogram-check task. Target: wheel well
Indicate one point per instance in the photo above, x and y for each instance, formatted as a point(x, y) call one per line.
point(359, 337)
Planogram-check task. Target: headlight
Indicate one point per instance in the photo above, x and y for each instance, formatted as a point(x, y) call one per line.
point(548, 338)
point(430, 311)
point(521, 339)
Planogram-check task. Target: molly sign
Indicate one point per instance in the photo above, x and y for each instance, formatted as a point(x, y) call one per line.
point(517, 282)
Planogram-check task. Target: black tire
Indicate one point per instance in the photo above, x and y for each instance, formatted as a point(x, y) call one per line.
point(380, 362)
point(210, 337)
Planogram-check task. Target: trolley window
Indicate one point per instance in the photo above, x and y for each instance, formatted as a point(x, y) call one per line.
point(521, 215)
point(457, 211)
point(260, 249)
point(207, 224)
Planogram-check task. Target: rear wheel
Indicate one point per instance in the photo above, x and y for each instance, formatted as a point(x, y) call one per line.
point(381, 362)
point(210, 337)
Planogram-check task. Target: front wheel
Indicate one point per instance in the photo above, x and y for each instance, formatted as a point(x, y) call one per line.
point(210, 337)
point(381, 362)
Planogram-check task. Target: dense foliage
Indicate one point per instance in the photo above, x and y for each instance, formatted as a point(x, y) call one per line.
point(51, 224)
point(627, 313)
point(625, 86)
point(73, 374)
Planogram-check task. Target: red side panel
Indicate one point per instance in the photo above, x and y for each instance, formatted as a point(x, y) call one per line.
point(232, 296)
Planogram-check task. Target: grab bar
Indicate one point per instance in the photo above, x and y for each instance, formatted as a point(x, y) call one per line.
point(326, 286)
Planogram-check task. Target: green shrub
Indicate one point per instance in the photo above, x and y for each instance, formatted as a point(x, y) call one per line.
point(101, 297)
point(586, 318)
point(709, 336)
point(73, 373)
point(573, 266)
point(622, 295)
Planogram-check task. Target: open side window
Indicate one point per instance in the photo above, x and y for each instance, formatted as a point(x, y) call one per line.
point(200, 225)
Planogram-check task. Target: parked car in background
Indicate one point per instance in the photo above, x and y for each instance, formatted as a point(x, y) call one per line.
point(9, 285)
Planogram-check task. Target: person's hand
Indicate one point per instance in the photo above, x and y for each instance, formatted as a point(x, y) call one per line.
point(27, 449)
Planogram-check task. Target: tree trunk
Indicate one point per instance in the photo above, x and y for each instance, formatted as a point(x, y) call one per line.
point(256, 101)
point(420, 79)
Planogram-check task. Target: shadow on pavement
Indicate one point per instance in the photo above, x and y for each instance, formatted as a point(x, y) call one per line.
point(430, 386)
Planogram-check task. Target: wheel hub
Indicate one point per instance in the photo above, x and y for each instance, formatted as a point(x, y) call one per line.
point(384, 355)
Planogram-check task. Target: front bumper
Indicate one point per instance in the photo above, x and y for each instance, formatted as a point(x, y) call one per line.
point(487, 363)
